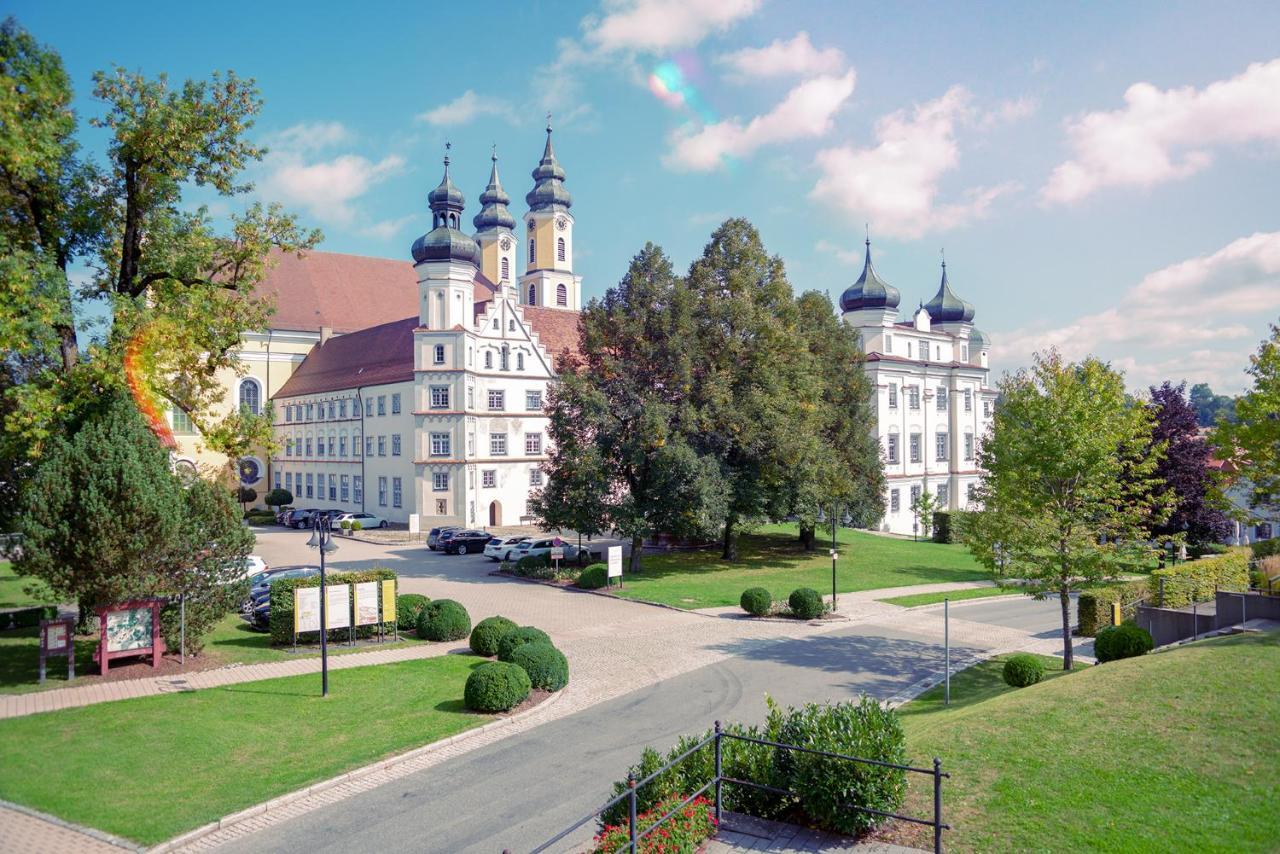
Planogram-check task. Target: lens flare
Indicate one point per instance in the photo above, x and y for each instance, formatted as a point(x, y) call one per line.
point(671, 82)
point(139, 364)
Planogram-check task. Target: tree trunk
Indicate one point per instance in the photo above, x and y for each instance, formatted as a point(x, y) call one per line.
point(637, 549)
point(730, 550)
point(1064, 596)
point(807, 536)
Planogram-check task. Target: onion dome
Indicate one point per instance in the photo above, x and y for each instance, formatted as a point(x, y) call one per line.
point(979, 340)
point(548, 193)
point(870, 291)
point(445, 242)
point(946, 307)
point(493, 214)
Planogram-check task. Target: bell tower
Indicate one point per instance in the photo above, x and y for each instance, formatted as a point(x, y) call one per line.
point(549, 280)
point(494, 233)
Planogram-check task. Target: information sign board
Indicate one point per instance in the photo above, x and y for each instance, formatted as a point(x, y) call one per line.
point(615, 561)
point(367, 603)
point(337, 606)
point(306, 609)
point(557, 554)
point(415, 523)
point(388, 600)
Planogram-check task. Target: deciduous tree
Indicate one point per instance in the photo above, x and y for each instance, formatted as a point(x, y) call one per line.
point(1254, 438)
point(1184, 469)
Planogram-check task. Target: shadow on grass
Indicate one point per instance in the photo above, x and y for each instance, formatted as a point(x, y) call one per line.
point(20, 659)
point(242, 635)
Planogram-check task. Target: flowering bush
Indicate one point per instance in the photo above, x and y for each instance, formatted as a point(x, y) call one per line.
point(680, 834)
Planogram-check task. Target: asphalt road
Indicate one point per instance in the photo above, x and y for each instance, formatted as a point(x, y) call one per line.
point(522, 790)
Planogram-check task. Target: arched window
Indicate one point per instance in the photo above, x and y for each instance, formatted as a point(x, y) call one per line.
point(533, 252)
point(250, 395)
point(560, 248)
point(506, 366)
point(533, 295)
point(511, 325)
point(519, 361)
point(506, 269)
point(562, 295)
point(488, 358)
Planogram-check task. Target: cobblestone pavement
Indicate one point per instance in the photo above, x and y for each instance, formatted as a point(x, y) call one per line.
point(24, 833)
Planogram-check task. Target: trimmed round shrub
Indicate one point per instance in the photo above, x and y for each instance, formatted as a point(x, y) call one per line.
point(496, 686)
point(407, 607)
point(1022, 670)
point(593, 577)
point(1124, 641)
point(487, 633)
point(757, 601)
point(806, 603)
point(547, 667)
point(443, 620)
point(517, 638)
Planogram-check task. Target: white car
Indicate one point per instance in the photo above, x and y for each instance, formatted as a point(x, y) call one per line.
point(500, 548)
point(543, 547)
point(252, 566)
point(366, 520)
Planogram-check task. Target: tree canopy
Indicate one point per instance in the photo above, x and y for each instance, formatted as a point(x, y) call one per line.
point(1184, 470)
point(1253, 439)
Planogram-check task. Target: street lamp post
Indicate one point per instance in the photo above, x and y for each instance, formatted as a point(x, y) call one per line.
point(322, 539)
point(833, 557)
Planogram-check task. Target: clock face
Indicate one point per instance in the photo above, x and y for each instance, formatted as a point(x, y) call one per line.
point(562, 223)
point(506, 243)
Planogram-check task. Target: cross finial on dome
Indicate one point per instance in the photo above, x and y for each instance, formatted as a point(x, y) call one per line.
point(494, 154)
point(943, 253)
point(548, 121)
point(867, 227)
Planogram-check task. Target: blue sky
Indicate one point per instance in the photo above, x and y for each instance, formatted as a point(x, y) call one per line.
point(1101, 176)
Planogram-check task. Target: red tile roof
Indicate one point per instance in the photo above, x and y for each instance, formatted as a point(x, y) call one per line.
point(374, 356)
point(557, 329)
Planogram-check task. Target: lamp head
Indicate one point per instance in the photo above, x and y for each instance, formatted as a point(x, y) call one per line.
point(315, 539)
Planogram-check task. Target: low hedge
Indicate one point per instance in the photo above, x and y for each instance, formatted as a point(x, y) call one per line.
point(547, 667)
point(443, 620)
point(1022, 670)
point(1093, 607)
point(535, 566)
point(594, 577)
point(1124, 641)
point(756, 601)
point(1198, 580)
point(946, 525)
point(407, 607)
point(806, 603)
point(281, 616)
point(496, 686)
point(1265, 548)
point(25, 618)
point(517, 638)
point(488, 633)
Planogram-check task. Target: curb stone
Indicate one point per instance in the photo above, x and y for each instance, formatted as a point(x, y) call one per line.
point(99, 835)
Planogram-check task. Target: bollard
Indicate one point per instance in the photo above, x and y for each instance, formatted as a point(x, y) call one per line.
point(937, 805)
point(631, 810)
point(719, 782)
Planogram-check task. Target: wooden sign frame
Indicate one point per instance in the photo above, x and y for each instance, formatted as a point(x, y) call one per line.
point(103, 655)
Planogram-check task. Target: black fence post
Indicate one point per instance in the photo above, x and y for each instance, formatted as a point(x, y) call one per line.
point(631, 810)
point(719, 781)
point(937, 805)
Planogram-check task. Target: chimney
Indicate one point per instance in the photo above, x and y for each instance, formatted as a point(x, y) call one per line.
point(326, 332)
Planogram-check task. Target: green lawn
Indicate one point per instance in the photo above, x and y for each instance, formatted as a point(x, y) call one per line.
point(11, 593)
point(1171, 751)
point(151, 768)
point(914, 599)
point(774, 560)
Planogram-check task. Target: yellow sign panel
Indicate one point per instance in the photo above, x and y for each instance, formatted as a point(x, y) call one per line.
point(389, 600)
point(306, 609)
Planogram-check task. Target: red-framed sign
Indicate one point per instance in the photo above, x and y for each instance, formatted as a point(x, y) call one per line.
point(129, 629)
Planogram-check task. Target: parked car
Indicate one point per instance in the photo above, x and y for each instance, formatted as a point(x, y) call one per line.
point(366, 520)
point(543, 547)
point(462, 542)
point(253, 565)
point(262, 590)
point(433, 536)
point(500, 548)
point(300, 518)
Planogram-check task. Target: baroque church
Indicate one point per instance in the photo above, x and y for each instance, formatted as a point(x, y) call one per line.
point(934, 402)
point(417, 387)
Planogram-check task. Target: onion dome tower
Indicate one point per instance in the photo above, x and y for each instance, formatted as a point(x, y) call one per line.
point(549, 280)
point(445, 260)
point(494, 235)
point(947, 311)
point(870, 301)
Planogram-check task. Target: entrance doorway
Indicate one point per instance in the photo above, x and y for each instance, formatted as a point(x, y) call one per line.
point(495, 514)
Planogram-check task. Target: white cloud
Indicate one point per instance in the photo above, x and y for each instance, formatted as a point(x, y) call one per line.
point(655, 26)
point(1009, 111)
point(848, 256)
point(1198, 319)
point(466, 108)
point(807, 111)
point(894, 185)
point(1163, 135)
point(309, 136)
point(796, 57)
point(387, 228)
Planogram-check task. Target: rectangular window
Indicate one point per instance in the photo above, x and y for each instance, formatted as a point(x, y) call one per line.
point(288, 416)
point(915, 447)
point(368, 446)
point(944, 496)
point(489, 478)
point(895, 500)
point(319, 446)
point(342, 408)
point(355, 445)
point(942, 398)
point(357, 489)
point(333, 446)
point(438, 354)
point(940, 447)
point(986, 409)
point(396, 492)
point(471, 397)
point(311, 411)
point(288, 447)
point(382, 404)
point(345, 492)
point(442, 506)
point(969, 492)
point(333, 410)
point(382, 446)
point(968, 446)
point(308, 454)
point(382, 492)
point(333, 487)
point(498, 444)
point(395, 404)
point(439, 444)
point(309, 484)
point(440, 481)
point(368, 407)
point(915, 495)
point(288, 481)
point(395, 444)
point(893, 396)
point(888, 344)
point(497, 400)
point(535, 477)
point(913, 397)
point(532, 444)
point(968, 400)
point(892, 449)
point(342, 446)
point(533, 401)
point(908, 349)
point(439, 397)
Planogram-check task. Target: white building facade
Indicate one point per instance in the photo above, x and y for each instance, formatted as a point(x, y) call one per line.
point(442, 414)
point(934, 402)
